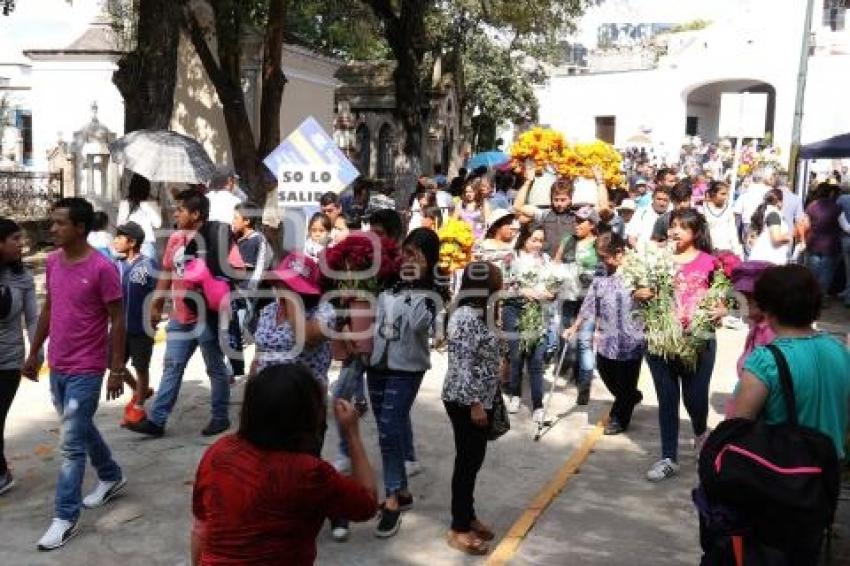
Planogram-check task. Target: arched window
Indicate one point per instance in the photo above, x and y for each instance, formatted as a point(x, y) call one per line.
point(364, 149)
point(386, 155)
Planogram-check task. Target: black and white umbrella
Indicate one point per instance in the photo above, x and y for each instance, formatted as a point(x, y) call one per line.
point(163, 156)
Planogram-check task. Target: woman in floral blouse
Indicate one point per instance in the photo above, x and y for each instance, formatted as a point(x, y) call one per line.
point(285, 332)
point(620, 344)
point(470, 386)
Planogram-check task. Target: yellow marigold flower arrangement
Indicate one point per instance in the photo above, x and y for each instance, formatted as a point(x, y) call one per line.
point(579, 160)
point(543, 145)
point(549, 148)
point(456, 241)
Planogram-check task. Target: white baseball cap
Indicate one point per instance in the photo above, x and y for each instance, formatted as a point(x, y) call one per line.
point(627, 204)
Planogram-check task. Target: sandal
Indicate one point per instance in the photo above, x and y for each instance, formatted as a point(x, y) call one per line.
point(468, 543)
point(482, 531)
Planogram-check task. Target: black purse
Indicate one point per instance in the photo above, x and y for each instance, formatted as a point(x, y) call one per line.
point(500, 423)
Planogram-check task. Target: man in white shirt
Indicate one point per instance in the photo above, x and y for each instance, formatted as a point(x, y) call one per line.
point(792, 206)
point(444, 199)
point(639, 229)
point(224, 194)
point(749, 201)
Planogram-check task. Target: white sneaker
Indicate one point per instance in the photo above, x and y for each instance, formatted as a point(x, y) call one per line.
point(412, 468)
point(57, 534)
point(343, 464)
point(513, 405)
point(537, 416)
point(7, 482)
point(103, 492)
point(662, 469)
point(340, 530)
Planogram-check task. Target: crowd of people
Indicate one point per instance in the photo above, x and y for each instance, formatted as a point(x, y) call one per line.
point(262, 494)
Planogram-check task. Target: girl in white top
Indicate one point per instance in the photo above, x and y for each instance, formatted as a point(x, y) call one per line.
point(318, 235)
point(138, 208)
point(717, 210)
point(771, 234)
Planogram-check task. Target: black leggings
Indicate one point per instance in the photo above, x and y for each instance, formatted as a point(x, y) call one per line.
point(470, 448)
point(10, 379)
point(621, 378)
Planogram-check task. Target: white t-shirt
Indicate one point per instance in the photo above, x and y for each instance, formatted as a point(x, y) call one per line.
point(721, 226)
point(641, 225)
point(445, 201)
point(222, 205)
point(147, 216)
point(748, 202)
point(763, 247)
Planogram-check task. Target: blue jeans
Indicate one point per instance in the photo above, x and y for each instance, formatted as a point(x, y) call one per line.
point(822, 267)
point(667, 374)
point(518, 357)
point(75, 398)
point(178, 352)
point(349, 386)
point(392, 399)
point(585, 359)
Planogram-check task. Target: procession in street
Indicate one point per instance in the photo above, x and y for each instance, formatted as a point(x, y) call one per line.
point(319, 337)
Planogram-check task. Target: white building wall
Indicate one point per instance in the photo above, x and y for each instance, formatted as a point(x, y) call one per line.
point(826, 112)
point(62, 95)
point(757, 50)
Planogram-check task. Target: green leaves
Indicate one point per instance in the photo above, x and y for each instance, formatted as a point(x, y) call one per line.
point(340, 28)
point(497, 83)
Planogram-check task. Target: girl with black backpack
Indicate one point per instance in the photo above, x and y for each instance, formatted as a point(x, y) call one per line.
point(769, 476)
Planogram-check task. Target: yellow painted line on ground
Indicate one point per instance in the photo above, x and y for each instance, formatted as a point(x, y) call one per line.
point(515, 536)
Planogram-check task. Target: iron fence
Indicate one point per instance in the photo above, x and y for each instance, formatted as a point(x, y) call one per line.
point(26, 195)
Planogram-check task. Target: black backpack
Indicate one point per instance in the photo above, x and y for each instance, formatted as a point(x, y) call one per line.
point(782, 479)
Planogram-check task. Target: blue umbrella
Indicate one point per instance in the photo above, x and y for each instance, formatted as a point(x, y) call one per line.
point(487, 159)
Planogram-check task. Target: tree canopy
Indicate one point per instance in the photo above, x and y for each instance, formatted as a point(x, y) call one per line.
point(498, 90)
point(340, 28)
point(500, 44)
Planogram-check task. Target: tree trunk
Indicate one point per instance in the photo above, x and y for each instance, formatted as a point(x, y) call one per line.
point(147, 75)
point(405, 33)
point(274, 81)
point(225, 72)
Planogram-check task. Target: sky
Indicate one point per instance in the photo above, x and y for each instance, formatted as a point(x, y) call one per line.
point(55, 23)
point(44, 24)
point(667, 11)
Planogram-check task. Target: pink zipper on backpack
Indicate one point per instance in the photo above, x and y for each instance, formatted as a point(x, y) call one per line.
point(770, 465)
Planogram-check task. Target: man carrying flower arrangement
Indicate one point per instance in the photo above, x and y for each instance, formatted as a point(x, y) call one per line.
point(559, 220)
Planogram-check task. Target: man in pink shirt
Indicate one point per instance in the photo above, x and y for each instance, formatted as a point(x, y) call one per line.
point(83, 302)
point(192, 324)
